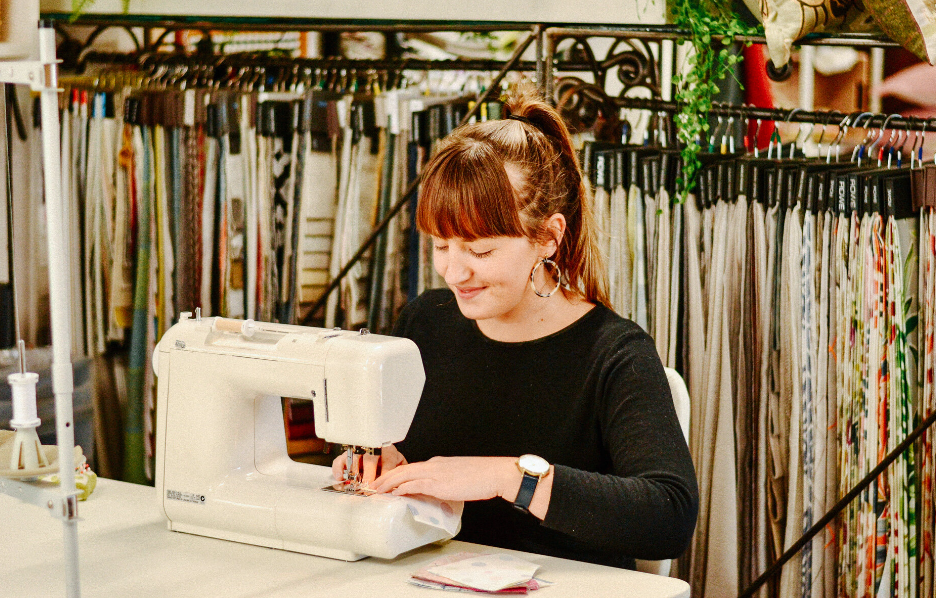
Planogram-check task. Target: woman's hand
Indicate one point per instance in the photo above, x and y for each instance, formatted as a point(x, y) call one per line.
point(369, 465)
point(454, 478)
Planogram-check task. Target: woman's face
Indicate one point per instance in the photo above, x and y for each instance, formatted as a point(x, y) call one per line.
point(490, 276)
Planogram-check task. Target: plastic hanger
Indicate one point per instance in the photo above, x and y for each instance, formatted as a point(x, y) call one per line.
point(858, 151)
point(878, 140)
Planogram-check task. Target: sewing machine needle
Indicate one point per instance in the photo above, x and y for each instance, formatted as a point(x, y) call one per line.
point(350, 464)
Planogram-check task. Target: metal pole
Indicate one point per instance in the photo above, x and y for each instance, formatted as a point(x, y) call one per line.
point(360, 65)
point(667, 68)
point(655, 32)
point(60, 303)
point(8, 180)
point(549, 66)
point(807, 78)
point(540, 61)
point(395, 209)
point(877, 78)
point(176, 22)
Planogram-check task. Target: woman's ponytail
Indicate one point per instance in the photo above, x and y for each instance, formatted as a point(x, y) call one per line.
point(579, 256)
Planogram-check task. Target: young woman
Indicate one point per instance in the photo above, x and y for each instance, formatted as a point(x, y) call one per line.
point(546, 412)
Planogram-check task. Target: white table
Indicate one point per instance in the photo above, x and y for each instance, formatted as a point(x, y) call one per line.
point(125, 550)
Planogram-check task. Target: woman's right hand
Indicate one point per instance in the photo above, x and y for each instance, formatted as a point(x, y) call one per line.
point(373, 465)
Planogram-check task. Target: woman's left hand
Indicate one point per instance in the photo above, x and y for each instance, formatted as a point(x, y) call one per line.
point(454, 478)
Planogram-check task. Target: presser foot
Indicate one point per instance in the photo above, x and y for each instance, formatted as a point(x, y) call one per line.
point(353, 481)
point(351, 488)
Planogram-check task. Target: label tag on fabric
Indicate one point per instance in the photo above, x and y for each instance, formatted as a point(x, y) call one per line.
point(344, 119)
point(188, 108)
point(380, 111)
point(393, 111)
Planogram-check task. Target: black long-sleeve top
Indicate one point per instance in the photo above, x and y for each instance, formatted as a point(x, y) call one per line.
point(591, 399)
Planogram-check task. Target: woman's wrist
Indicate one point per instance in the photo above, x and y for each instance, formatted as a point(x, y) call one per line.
point(510, 479)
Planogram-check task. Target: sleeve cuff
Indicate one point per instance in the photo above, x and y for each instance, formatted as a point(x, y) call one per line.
point(562, 500)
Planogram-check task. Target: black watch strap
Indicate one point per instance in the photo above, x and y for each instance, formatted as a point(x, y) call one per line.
point(525, 495)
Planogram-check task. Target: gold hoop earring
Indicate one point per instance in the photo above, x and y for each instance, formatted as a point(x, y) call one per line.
point(548, 261)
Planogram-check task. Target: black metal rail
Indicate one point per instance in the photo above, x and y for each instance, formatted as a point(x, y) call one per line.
point(796, 115)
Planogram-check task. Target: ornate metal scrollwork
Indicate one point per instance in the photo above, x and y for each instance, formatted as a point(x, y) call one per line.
point(590, 105)
point(631, 61)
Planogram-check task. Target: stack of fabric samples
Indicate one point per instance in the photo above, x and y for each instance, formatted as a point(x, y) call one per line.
point(485, 573)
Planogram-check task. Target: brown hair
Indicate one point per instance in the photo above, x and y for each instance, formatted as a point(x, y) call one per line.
point(466, 192)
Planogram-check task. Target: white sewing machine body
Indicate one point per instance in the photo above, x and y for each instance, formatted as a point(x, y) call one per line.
point(222, 469)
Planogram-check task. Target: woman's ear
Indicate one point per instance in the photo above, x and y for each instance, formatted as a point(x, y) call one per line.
point(555, 227)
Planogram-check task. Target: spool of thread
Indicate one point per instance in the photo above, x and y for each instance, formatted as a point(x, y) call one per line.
point(24, 400)
point(245, 327)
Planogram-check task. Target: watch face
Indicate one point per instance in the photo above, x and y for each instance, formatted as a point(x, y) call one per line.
point(533, 464)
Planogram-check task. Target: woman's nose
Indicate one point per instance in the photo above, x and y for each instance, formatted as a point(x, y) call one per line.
point(456, 271)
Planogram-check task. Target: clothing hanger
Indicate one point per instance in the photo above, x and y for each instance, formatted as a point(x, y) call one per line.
point(869, 183)
point(757, 172)
point(877, 136)
point(913, 148)
point(790, 174)
point(804, 130)
point(787, 120)
point(713, 136)
point(860, 147)
point(745, 125)
point(834, 183)
point(922, 141)
point(872, 180)
point(755, 143)
point(876, 141)
point(728, 138)
point(837, 140)
point(897, 151)
point(826, 121)
point(911, 121)
point(774, 139)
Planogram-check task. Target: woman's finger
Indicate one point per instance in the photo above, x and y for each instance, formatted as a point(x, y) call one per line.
point(412, 487)
point(369, 463)
point(393, 478)
point(338, 466)
point(357, 464)
point(390, 458)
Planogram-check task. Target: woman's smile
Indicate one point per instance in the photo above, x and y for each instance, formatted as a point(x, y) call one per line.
point(468, 292)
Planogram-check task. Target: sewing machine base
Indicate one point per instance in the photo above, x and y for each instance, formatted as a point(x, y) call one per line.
point(299, 515)
point(331, 553)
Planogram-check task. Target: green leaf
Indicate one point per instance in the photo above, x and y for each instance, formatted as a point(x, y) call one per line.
point(78, 8)
point(911, 324)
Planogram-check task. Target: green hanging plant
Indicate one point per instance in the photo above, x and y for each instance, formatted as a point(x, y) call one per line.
point(712, 27)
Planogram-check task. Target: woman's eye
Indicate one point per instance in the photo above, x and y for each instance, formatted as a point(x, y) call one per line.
point(484, 254)
point(441, 247)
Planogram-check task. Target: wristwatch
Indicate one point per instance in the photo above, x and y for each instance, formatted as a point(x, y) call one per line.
point(533, 468)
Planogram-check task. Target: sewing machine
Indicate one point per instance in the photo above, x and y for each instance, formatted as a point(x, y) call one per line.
point(222, 469)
